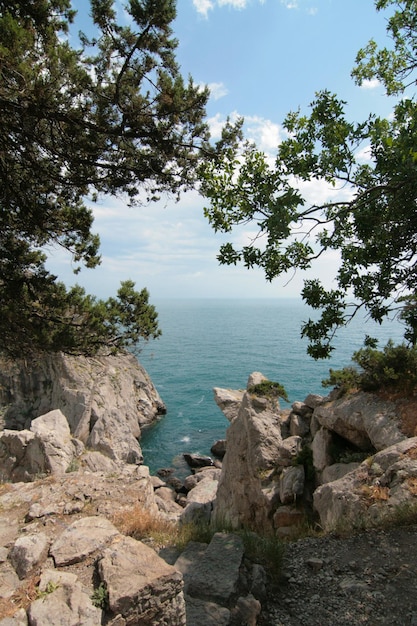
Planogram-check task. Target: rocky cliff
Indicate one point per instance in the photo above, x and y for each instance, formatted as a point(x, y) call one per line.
point(105, 400)
point(341, 460)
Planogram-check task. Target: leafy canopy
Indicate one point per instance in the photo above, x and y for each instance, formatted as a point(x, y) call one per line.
point(373, 225)
point(111, 116)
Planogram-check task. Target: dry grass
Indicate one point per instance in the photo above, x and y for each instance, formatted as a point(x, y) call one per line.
point(412, 485)
point(21, 599)
point(412, 453)
point(139, 523)
point(374, 493)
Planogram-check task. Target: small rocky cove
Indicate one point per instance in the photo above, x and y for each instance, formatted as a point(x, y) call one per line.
point(70, 461)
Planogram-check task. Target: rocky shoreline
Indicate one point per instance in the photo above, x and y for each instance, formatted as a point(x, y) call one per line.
point(71, 462)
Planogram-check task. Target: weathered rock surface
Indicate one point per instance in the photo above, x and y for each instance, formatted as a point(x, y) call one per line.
point(276, 460)
point(372, 491)
point(253, 448)
point(363, 419)
point(228, 401)
point(63, 601)
point(106, 400)
point(142, 588)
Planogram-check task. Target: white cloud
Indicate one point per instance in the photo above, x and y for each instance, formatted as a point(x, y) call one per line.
point(203, 6)
point(266, 134)
point(236, 4)
point(364, 154)
point(372, 83)
point(217, 90)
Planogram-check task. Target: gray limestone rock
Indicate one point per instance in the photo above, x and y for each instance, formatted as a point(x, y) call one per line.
point(202, 613)
point(216, 576)
point(371, 491)
point(228, 401)
point(142, 587)
point(363, 419)
point(53, 430)
point(291, 484)
point(87, 391)
point(63, 602)
point(82, 538)
point(9, 580)
point(254, 449)
point(112, 437)
point(28, 552)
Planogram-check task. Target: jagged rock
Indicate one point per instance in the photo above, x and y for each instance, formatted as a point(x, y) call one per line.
point(336, 471)
point(218, 449)
point(301, 409)
point(313, 400)
point(97, 462)
point(253, 449)
point(22, 456)
point(141, 586)
point(247, 610)
point(189, 557)
point(197, 460)
point(209, 472)
point(291, 483)
point(299, 425)
point(60, 448)
point(228, 401)
point(86, 390)
point(256, 378)
point(170, 510)
point(200, 502)
point(201, 613)
point(157, 482)
point(165, 493)
point(113, 438)
point(28, 552)
point(82, 538)
point(373, 490)
point(362, 419)
point(286, 516)
point(321, 448)
point(288, 450)
point(63, 601)
point(215, 578)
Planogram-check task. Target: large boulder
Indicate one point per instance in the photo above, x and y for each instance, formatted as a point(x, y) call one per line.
point(63, 600)
point(375, 490)
point(47, 448)
point(142, 588)
point(363, 419)
point(254, 444)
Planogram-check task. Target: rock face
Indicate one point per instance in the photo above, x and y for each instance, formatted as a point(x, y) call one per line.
point(105, 400)
point(280, 465)
point(248, 489)
point(371, 491)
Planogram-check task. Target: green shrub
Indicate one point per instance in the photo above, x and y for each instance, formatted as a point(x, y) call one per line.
point(393, 368)
point(269, 389)
point(100, 597)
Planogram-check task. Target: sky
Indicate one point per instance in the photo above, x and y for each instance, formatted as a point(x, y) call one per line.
point(261, 59)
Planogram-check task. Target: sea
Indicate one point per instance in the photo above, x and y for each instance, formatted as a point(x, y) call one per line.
point(208, 343)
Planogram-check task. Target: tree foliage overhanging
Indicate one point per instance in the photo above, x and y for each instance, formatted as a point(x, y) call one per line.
point(111, 115)
point(373, 225)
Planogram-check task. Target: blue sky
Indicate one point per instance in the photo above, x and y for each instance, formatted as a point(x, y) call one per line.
point(261, 59)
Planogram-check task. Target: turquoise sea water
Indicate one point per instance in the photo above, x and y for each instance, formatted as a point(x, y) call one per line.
point(218, 343)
